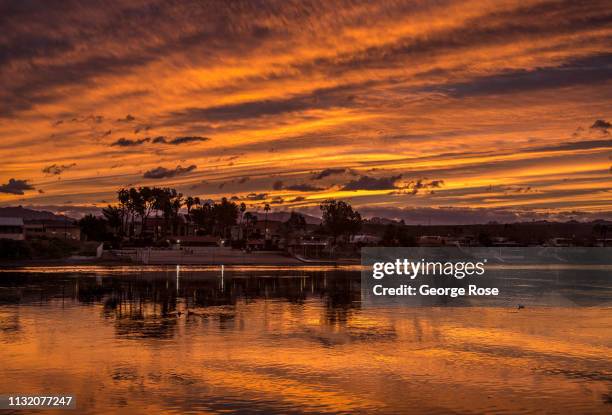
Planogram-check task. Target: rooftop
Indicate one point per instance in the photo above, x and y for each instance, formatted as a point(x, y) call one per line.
point(11, 221)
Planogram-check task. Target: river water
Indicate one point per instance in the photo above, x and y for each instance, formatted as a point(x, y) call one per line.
point(288, 340)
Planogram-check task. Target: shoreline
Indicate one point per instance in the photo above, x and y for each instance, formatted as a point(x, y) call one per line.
point(267, 260)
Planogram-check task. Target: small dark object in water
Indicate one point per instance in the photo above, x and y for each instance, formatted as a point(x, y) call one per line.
point(520, 306)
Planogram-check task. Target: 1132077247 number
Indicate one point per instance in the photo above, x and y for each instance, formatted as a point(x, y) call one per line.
point(37, 401)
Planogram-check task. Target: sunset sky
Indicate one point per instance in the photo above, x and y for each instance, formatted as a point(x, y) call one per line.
point(463, 111)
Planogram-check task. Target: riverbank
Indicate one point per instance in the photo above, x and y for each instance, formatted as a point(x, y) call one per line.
point(218, 256)
point(93, 261)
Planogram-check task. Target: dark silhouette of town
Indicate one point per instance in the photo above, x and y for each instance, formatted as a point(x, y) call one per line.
point(164, 221)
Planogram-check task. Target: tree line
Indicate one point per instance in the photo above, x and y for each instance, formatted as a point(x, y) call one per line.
point(138, 205)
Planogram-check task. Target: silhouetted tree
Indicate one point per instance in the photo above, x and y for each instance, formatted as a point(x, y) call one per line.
point(250, 221)
point(94, 228)
point(295, 223)
point(123, 196)
point(168, 202)
point(146, 206)
point(339, 219)
point(135, 207)
point(203, 218)
point(225, 214)
point(113, 217)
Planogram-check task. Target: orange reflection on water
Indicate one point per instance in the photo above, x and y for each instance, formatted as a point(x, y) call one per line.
point(137, 345)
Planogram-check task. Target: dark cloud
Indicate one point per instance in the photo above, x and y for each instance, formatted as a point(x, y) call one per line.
point(326, 173)
point(277, 200)
point(584, 71)
point(187, 139)
point(128, 118)
point(38, 33)
point(33, 46)
point(56, 169)
point(319, 99)
point(16, 187)
point(137, 35)
point(126, 142)
point(160, 140)
point(573, 145)
point(277, 185)
point(179, 140)
point(164, 173)
point(372, 183)
point(488, 30)
point(423, 184)
point(601, 125)
point(304, 187)
point(415, 186)
point(243, 180)
point(298, 199)
point(256, 196)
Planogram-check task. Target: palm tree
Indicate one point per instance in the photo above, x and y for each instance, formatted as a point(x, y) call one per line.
point(176, 204)
point(114, 218)
point(163, 203)
point(266, 209)
point(203, 218)
point(189, 202)
point(249, 221)
point(225, 214)
point(242, 210)
point(147, 200)
point(136, 206)
point(123, 195)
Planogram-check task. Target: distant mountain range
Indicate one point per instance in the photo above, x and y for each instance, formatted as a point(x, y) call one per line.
point(77, 212)
point(283, 216)
point(29, 214)
point(33, 214)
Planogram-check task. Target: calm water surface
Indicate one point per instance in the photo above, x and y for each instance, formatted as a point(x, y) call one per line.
point(288, 340)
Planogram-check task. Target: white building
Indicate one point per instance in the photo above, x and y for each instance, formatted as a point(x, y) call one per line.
point(12, 228)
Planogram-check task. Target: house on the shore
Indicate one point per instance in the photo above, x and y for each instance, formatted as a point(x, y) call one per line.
point(309, 247)
point(46, 228)
point(12, 228)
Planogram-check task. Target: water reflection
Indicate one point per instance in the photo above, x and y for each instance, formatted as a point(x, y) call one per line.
point(289, 341)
